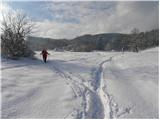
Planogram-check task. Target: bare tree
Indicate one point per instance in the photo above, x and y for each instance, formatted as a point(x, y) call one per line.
point(15, 27)
point(135, 31)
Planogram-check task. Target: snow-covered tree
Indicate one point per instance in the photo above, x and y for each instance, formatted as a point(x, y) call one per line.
point(15, 27)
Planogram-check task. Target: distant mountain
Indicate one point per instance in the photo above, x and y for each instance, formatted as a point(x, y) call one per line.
point(106, 41)
point(39, 43)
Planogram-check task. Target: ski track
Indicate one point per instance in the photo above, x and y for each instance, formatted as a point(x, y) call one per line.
point(96, 103)
point(111, 108)
point(69, 81)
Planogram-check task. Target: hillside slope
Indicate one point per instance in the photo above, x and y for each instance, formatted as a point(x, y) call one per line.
point(103, 42)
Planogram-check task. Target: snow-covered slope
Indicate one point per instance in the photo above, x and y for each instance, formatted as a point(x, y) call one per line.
point(132, 84)
point(82, 85)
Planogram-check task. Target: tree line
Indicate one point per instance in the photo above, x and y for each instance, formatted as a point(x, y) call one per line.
point(102, 42)
point(16, 42)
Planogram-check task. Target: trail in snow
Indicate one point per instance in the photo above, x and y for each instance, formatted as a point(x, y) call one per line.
point(92, 108)
point(97, 105)
point(76, 88)
point(131, 82)
point(94, 99)
point(72, 85)
point(103, 96)
point(110, 108)
point(95, 102)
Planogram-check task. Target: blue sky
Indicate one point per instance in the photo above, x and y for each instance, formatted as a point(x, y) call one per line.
point(31, 8)
point(71, 19)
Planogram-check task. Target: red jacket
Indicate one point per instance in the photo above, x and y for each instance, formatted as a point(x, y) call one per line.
point(44, 53)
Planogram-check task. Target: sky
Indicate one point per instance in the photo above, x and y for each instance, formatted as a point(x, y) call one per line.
point(68, 20)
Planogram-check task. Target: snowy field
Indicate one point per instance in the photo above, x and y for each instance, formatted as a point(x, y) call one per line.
point(82, 85)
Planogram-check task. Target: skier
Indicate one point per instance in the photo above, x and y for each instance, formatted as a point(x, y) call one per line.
point(44, 54)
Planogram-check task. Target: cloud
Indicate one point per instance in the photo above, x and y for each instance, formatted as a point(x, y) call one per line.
point(142, 15)
point(72, 19)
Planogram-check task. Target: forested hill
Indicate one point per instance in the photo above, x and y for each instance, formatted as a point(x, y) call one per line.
point(107, 42)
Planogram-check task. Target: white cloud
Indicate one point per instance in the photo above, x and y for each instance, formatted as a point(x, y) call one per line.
point(98, 17)
point(71, 19)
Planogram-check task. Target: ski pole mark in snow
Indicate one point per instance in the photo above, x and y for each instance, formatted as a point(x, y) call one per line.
point(92, 106)
point(111, 109)
point(102, 95)
point(77, 90)
point(95, 101)
point(85, 88)
point(66, 78)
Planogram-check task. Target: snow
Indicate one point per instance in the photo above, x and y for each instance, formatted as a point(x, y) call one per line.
point(81, 85)
point(132, 84)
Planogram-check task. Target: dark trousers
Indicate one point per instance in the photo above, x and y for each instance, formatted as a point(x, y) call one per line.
point(45, 59)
